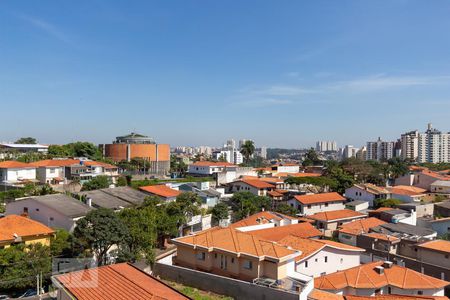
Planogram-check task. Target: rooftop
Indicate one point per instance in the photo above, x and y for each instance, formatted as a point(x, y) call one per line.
point(336, 215)
point(160, 190)
point(63, 204)
point(213, 164)
point(366, 276)
point(382, 236)
point(304, 230)
point(437, 245)
point(12, 225)
point(401, 228)
point(238, 242)
point(12, 164)
point(372, 188)
point(360, 226)
point(262, 217)
point(407, 190)
point(319, 198)
point(257, 183)
point(120, 281)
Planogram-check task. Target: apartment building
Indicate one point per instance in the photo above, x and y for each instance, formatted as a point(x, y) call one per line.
point(323, 146)
point(410, 145)
point(433, 146)
point(380, 150)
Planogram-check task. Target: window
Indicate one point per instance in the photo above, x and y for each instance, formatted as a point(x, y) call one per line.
point(446, 255)
point(215, 255)
point(377, 291)
point(248, 265)
point(306, 264)
point(232, 260)
point(389, 290)
point(37, 209)
point(25, 210)
point(201, 256)
point(309, 206)
point(316, 259)
point(342, 260)
point(52, 171)
point(326, 258)
point(326, 204)
point(419, 292)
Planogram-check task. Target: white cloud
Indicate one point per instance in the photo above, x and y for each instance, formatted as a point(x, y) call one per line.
point(47, 28)
point(262, 102)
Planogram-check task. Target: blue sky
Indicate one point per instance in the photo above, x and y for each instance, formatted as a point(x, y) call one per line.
point(283, 73)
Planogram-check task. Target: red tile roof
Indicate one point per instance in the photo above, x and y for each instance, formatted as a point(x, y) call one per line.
point(213, 164)
point(12, 164)
point(394, 297)
point(120, 281)
point(383, 237)
point(286, 174)
point(160, 190)
point(366, 277)
point(360, 226)
point(319, 198)
point(22, 227)
point(55, 162)
point(262, 217)
point(232, 240)
point(437, 245)
point(259, 184)
point(305, 230)
point(336, 215)
point(407, 190)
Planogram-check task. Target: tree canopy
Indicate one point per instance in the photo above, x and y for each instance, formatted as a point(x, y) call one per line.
point(77, 149)
point(245, 204)
point(96, 183)
point(247, 150)
point(26, 140)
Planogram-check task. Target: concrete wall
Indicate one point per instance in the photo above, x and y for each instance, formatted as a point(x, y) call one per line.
point(221, 285)
point(356, 193)
point(315, 208)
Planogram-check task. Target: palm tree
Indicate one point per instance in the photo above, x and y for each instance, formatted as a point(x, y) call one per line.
point(247, 150)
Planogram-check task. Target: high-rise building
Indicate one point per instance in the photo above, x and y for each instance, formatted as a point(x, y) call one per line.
point(263, 152)
point(433, 146)
point(241, 142)
point(380, 150)
point(410, 145)
point(349, 151)
point(322, 146)
point(230, 145)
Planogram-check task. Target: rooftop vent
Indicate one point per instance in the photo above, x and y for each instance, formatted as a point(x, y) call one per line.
point(387, 264)
point(379, 270)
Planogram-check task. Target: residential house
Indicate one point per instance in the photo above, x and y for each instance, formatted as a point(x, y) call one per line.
point(314, 203)
point(254, 186)
point(380, 278)
point(11, 150)
point(16, 173)
point(367, 192)
point(263, 220)
point(422, 178)
point(329, 221)
point(397, 215)
point(407, 193)
point(207, 168)
point(440, 187)
point(421, 209)
point(119, 281)
point(379, 246)
point(348, 233)
point(440, 225)
point(162, 191)
point(243, 256)
point(56, 210)
point(210, 197)
point(285, 168)
point(16, 229)
point(52, 171)
point(442, 209)
point(320, 257)
point(435, 258)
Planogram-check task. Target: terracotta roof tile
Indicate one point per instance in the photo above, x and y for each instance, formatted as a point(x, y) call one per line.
point(22, 227)
point(394, 297)
point(319, 198)
point(384, 237)
point(366, 277)
point(322, 295)
point(305, 230)
point(160, 190)
point(360, 226)
point(12, 164)
point(120, 281)
point(407, 190)
point(336, 215)
point(55, 163)
point(213, 164)
point(235, 241)
point(262, 217)
point(256, 183)
point(438, 245)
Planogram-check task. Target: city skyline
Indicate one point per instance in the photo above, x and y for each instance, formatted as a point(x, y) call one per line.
point(197, 75)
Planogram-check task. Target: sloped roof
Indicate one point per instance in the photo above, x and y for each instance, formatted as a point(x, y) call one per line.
point(372, 188)
point(323, 295)
point(437, 245)
point(63, 204)
point(286, 174)
point(407, 190)
point(256, 183)
point(212, 164)
point(55, 162)
point(319, 198)
point(382, 236)
point(360, 226)
point(120, 281)
point(366, 277)
point(394, 297)
point(22, 227)
point(12, 164)
point(262, 217)
point(235, 241)
point(161, 190)
point(309, 247)
point(336, 215)
point(305, 230)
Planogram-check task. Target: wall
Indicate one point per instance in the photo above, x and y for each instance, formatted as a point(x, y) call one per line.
point(13, 175)
point(348, 239)
point(40, 213)
point(353, 193)
point(120, 152)
point(315, 208)
point(221, 285)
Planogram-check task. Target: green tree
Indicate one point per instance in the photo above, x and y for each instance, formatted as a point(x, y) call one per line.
point(311, 158)
point(219, 212)
point(392, 202)
point(99, 231)
point(286, 209)
point(61, 244)
point(245, 204)
point(96, 183)
point(397, 167)
point(26, 140)
point(122, 181)
point(247, 150)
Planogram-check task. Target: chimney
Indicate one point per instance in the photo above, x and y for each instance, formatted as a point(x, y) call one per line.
point(379, 270)
point(387, 264)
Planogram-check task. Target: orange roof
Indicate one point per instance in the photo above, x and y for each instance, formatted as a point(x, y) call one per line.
point(12, 164)
point(380, 209)
point(274, 194)
point(406, 190)
point(120, 281)
point(305, 230)
point(160, 190)
point(309, 247)
point(98, 164)
point(383, 237)
point(366, 277)
point(372, 188)
point(259, 184)
point(360, 226)
point(435, 174)
point(22, 227)
point(322, 295)
point(336, 215)
point(319, 198)
point(262, 217)
point(437, 245)
point(213, 164)
point(55, 162)
point(394, 297)
point(235, 241)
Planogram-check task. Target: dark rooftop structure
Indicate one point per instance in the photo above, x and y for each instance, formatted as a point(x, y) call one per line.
point(114, 198)
point(406, 231)
point(134, 138)
point(63, 204)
